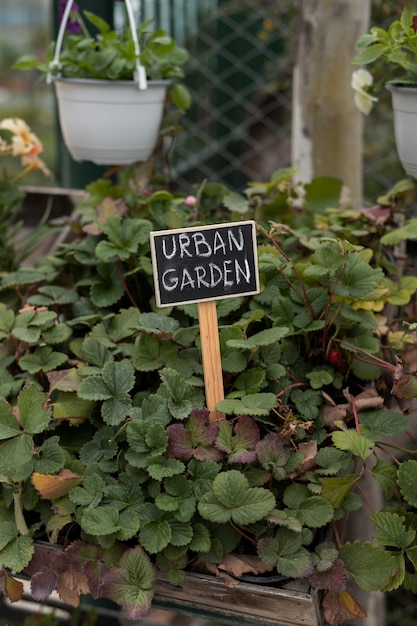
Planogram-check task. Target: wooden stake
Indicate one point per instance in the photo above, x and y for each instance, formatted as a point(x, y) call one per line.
point(212, 364)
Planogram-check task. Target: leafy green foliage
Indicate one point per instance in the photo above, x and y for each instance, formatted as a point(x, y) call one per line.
point(104, 433)
point(110, 55)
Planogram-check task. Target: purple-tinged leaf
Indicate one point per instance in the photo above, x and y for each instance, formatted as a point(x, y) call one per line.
point(94, 562)
point(273, 455)
point(239, 440)
point(333, 579)
point(194, 439)
point(44, 569)
point(130, 584)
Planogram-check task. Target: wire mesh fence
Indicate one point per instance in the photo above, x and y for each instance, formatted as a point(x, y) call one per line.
point(240, 76)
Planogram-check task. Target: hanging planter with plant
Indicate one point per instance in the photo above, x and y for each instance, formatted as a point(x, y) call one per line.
point(110, 89)
point(392, 53)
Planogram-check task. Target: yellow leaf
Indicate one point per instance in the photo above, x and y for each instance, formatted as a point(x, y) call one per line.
point(52, 486)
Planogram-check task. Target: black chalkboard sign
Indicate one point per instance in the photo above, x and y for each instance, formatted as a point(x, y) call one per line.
point(204, 263)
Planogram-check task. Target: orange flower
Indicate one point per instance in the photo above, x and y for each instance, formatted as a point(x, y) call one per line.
point(23, 143)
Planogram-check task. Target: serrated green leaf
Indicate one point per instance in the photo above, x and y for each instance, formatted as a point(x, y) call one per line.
point(42, 359)
point(335, 489)
point(17, 554)
point(161, 468)
point(312, 511)
point(50, 458)
point(130, 583)
point(320, 378)
point(90, 493)
point(9, 426)
point(155, 536)
point(382, 423)
point(129, 524)
point(201, 541)
point(391, 530)
point(106, 288)
point(371, 566)
point(407, 481)
point(15, 453)
point(232, 499)
point(256, 404)
point(8, 533)
point(103, 520)
point(353, 442)
point(385, 473)
point(394, 237)
point(307, 403)
point(263, 338)
point(34, 413)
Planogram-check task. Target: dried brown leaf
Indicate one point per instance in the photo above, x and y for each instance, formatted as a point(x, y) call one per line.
point(339, 607)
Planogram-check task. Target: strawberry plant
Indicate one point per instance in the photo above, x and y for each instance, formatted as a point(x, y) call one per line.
point(110, 469)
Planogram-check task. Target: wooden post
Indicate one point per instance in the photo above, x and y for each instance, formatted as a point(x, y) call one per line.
point(327, 126)
point(212, 364)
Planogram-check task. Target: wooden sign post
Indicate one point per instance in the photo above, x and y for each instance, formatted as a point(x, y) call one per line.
point(201, 265)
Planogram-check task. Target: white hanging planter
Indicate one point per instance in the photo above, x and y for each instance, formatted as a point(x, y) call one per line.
point(105, 121)
point(404, 104)
point(109, 122)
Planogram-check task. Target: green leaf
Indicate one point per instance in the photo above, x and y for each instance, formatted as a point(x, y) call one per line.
point(357, 278)
point(286, 553)
point(335, 489)
point(408, 231)
point(9, 426)
point(154, 536)
point(130, 584)
point(407, 481)
point(17, 554)
point(263, 338)
point(50, 458)
point(320, 377)
point(250, 381)
point(392, 530)
point(106, 288)
point(152, 354)
point(33, 411)
point(90, 493)
point(351, 441)
point(307, 403)
point(113, 386)
point(312, 511)
point(385, 473)
point(323, 192)
point(161, 468)
point(103, 520)
point(129, 523)
point(236, 203)
point(8, 533)
point(42, 359)
point(201, 538)
point(181, 97)
point(233, 499)
point(14, 454)
point(256, 404)
point(369, 55)
point(371, 566)
point(382, 423)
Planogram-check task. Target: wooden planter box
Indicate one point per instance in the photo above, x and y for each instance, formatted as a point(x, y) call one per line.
point(208, 598)
point(246, 604)
point(59, 203)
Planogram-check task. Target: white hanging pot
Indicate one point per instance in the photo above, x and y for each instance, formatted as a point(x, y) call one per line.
point(404, 104)
point(104, 121)
point(109, 122)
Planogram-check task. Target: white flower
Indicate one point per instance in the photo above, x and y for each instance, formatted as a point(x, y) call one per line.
point(362, 80)
point(24, 141)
